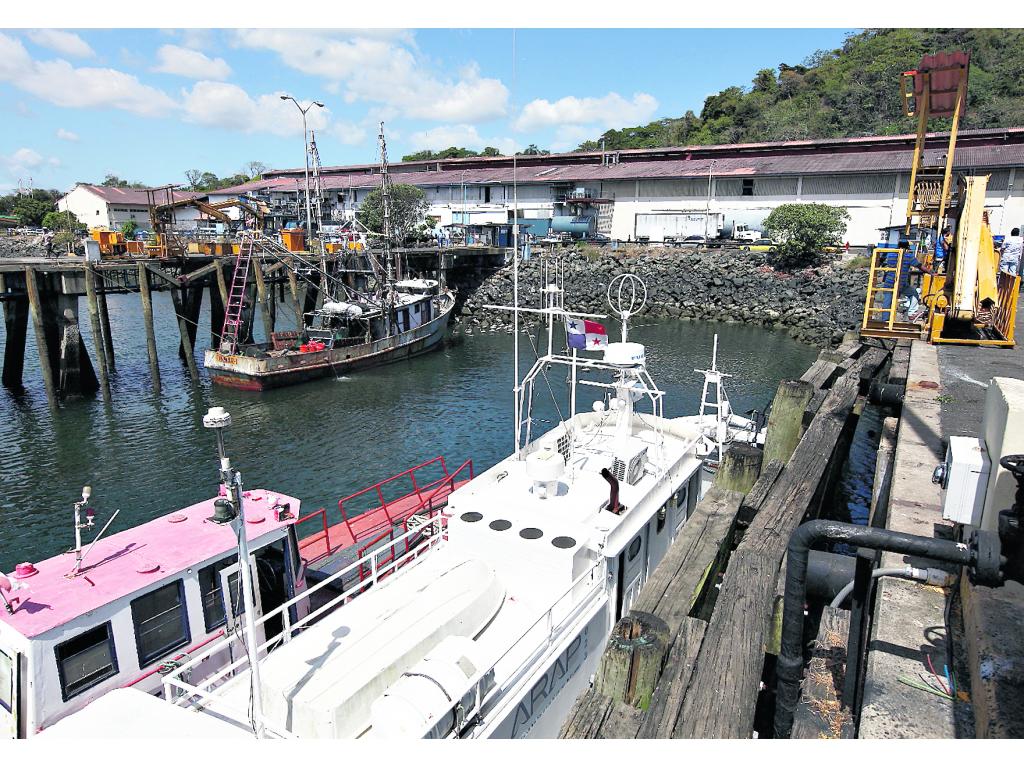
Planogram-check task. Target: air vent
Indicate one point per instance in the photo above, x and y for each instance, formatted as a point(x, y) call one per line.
point(628, 466)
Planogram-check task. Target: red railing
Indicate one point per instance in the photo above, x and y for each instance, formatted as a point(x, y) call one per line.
point(395, 511)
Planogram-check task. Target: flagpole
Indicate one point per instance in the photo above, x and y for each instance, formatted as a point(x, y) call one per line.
point(572, 389)
point(515, 273)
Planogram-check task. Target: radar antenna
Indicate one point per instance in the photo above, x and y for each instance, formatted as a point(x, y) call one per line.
point(627, 295)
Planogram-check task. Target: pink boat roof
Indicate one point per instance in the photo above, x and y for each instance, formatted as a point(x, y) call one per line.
point(127, 562)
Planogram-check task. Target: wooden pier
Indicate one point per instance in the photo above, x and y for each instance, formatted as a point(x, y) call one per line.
point(709, 616)
point(49, 290)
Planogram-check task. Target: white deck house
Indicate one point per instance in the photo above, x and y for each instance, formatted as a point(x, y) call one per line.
point(671, 191)
point(110, 207)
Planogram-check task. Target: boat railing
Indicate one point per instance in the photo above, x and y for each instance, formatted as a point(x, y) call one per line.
point(181, 690)
point(396, 509)
point(563, 614)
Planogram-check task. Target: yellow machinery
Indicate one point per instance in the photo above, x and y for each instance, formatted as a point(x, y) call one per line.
point(294, 240)
point(112, 243)
point(971, 303)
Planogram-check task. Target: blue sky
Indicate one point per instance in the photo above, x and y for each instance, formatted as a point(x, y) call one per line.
point(149, 104)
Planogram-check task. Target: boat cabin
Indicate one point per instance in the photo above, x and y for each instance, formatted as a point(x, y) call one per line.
point(141, 602)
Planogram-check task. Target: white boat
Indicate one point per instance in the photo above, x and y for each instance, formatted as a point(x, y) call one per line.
point(488, 620)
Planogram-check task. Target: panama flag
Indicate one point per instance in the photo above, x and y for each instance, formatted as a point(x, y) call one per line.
point(584, 334)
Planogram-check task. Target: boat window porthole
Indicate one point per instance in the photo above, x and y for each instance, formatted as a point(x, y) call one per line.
point(564, 542)
point(634, 548)
point(500, 525)
point(531, 533)
point(471, 517)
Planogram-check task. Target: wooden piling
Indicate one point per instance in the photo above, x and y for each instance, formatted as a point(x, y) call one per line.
point(97, 332)
point(16, 329)
point(147, 317)
point(192, 304)
point(186, 340)
point(266, 301)
point(631, 663)
point(222, 286)
point(41, 344)
point(216, 314)
point(785, 422)
point(108, 340)
point(739, 468)
point(820, 713)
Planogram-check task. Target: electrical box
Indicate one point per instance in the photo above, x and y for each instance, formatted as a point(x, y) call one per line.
point(965, 480)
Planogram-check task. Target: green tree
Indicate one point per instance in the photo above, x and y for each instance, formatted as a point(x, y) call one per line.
point(408, 209)
point(113, 180)
point(534, 150)
point(30, 210)
point(62, 221)
point(128, 229)
point(803, 231)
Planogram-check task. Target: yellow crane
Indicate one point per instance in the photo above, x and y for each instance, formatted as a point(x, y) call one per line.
point(970, 302)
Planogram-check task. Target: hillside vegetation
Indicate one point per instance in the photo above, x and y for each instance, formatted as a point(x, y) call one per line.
point(850, 91)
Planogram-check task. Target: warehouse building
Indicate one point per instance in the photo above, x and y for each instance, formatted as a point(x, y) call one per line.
point(672, 192)
point(110, 207)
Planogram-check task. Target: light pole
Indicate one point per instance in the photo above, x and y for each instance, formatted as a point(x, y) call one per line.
point(465, 228)
point(305, 149)
point(707, 213)
point(230, 511)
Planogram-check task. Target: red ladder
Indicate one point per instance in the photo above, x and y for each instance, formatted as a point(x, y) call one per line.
point(236, 300)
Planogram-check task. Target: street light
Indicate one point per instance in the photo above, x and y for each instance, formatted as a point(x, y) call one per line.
point(305, 148)
point(229, 511)
point(707, 213)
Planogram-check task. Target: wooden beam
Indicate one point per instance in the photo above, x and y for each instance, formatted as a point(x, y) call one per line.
point(222, 287)
point(166, 276)
point(186, 341)
point(201, 272)
point(660, 719)
point(108, 341)
point(37, 322)
point(97, 332)
point(819, 713)
point(147, 318)
point(266, 302)
point(723, 693)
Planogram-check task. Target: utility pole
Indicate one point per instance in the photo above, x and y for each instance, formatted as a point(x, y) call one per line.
point(305, 145)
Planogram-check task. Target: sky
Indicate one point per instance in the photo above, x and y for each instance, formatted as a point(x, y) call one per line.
point(149, 104)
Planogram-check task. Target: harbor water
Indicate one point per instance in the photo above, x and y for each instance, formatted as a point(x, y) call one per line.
point(148, 454)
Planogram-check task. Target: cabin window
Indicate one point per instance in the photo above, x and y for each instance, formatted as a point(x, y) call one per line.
point(405, 320)
point(681, 498)
point(662, 516)
point(161, 624)
point(7, 692)
point(86, 660)
point(634, 549)
point(214, 614)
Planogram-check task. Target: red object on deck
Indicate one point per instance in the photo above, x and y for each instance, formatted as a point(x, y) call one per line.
point(381, 519)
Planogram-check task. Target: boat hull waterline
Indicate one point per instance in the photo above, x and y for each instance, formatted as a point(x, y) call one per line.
point(259, 373)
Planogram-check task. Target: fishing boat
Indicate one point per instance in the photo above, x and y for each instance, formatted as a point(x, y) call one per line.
point(394, 317)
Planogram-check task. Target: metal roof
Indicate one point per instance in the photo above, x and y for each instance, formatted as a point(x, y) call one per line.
point(128, 196)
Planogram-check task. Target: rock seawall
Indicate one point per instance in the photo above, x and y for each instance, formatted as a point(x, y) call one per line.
point(816, 306)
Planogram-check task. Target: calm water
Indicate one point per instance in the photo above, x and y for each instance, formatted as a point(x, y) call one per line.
point(149, 454)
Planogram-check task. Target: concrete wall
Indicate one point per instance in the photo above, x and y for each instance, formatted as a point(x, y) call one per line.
point(86, 206)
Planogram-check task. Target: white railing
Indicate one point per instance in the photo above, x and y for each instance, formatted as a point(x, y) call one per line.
point(205, 692)
point(485, 697)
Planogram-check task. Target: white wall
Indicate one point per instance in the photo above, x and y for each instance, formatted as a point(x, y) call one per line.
point(86, 206)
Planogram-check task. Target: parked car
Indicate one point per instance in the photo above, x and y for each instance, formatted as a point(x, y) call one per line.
point(764, 244)
point(596, 238)
point(693, 240)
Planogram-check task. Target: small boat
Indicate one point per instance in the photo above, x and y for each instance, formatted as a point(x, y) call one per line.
point(392, 319)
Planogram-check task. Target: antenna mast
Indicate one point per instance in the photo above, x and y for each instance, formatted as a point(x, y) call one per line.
point(385, 195)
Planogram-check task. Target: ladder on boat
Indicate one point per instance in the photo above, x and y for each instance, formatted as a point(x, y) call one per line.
point(236, 299)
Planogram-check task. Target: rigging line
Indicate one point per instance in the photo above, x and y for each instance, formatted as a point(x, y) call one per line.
point(544, 373)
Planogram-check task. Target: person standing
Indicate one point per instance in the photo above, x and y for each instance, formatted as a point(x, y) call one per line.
point(1010, 253)
point(48, 241)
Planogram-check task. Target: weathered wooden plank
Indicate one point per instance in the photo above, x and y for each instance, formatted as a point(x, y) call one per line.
point(660, 719)
point(719, 701)
point(596, 716)
point(721, 697)
point(820, 714)
point(676, 583)
point(753, 501)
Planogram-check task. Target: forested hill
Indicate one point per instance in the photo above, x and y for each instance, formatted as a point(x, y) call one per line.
point(850, 91)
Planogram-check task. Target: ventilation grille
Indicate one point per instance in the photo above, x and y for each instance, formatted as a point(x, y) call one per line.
point(564, 445)
point(631, 469)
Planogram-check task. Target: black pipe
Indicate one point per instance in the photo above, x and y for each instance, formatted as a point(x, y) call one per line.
point(886, 394)
point(791, 657)
point(613, 491)
point(828, 573)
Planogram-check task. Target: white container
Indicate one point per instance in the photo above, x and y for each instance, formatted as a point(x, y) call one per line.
point(966, 480)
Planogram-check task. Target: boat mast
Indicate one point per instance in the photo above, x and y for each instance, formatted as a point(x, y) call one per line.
point(385, 196)
point(515, 274)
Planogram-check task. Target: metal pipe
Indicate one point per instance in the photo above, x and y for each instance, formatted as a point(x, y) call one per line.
point(791, 657)
point(906, 572)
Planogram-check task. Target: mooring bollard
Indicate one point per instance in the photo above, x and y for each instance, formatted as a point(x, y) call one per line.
point(631, 664)
point(785, 422)
point(740, 468)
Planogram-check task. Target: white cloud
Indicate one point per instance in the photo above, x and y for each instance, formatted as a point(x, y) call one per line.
point(568, 137)
point(67, 43)
point(60, 83)
point(175, 60)
point(64, 135)
point(348, 133)
point(605, 111)
point(384, 69)
point(444, 136)
point(25, 161)
point(225, 105)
